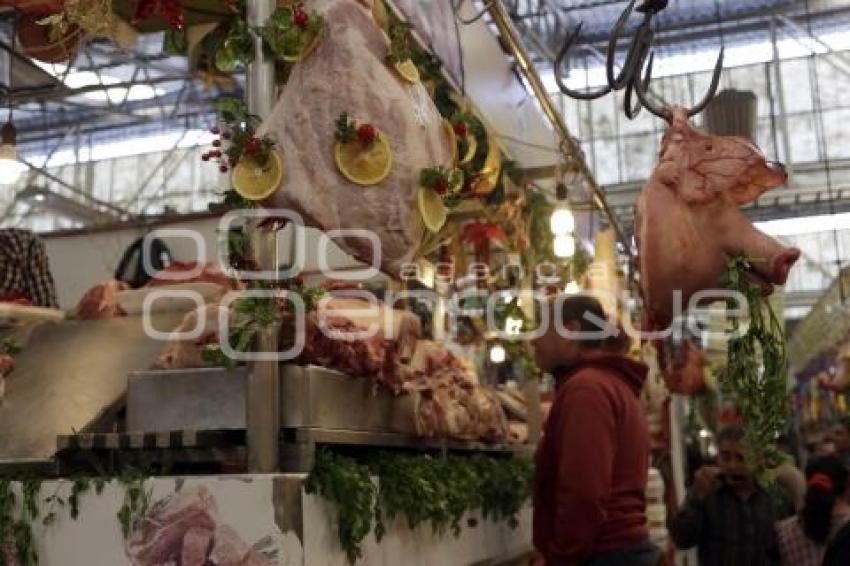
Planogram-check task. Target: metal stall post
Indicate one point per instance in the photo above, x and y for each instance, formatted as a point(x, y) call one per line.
point(263, 398)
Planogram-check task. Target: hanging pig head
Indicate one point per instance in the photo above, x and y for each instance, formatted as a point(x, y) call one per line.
point(688, 222)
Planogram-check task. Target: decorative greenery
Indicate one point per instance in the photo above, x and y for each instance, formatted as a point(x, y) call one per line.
point(446, 182)
point(290, 30)
point(400, 48)
point(422, 488)
point(756, 372)
point(136, 501)
point(347, 485)
point(236, 47)
point(15, 527)
point(346, 128)
point(16, 520)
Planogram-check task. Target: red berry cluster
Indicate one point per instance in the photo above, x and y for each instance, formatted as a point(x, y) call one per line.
point(461, 129)
point(170, 10)
point(216, 152)
point(300, 17)
point(366, 133)
point(441, 186)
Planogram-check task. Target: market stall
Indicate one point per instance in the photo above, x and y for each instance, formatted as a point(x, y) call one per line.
point(333, 365)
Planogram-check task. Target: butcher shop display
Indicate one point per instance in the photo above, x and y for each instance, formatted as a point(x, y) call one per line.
point(373, 341)
point(689, 223)
point(348, 75)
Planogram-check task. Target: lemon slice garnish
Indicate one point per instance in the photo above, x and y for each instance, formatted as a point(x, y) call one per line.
point(379, 13)
point(256, 182)
point(408, 71)
point(451, 136)
point(364, 165)
point(432, 209)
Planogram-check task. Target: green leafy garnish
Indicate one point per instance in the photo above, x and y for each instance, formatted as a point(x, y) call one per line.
point(400, 49)
point(755, 374)
point(421, 488)
point(346, 128)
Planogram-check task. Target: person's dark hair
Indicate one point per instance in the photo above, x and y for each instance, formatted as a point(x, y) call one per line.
point(573, 309)
point(826, 477)
point(731, 434)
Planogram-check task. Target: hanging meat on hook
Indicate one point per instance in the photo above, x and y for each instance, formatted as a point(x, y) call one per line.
point(688, 222)
point(347, 73)
point(636, 58)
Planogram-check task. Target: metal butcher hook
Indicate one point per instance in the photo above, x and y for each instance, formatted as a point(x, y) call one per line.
point(629, 76)
point(456, 9)
point(664, 111)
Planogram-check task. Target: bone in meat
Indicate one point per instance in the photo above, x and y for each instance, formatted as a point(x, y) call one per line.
point(347, 73)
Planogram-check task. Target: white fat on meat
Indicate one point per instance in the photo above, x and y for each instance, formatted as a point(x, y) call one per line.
point(347, 73)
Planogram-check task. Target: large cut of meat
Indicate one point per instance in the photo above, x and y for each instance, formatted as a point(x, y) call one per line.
point(173, 274)
point(348, 74)
point(688, 220)
point(101, 301)
point(335, 337)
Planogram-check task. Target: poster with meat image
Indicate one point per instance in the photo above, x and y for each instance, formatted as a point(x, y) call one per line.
point(211, 521)
point(434, 21)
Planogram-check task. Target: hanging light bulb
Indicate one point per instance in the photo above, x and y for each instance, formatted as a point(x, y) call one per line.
point(497, 353)
point(562, 220)
point(565, 246)
point(10, 168)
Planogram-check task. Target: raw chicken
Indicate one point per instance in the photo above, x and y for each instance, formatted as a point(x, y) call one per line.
point(101, 301)
point(688, 222)
point(182, 354)
point(446, 399)
point(348, 74)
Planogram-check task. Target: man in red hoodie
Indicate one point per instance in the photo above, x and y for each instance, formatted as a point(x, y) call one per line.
point(593, 460)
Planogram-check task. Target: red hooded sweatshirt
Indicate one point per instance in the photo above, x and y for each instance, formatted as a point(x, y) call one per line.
point(592, 463)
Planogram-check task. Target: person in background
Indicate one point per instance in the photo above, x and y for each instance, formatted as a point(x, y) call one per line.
point(727, 515)
point(841, 440)
point(592, 463)
point(789, 479)
point(24, 269)
point(803, 539)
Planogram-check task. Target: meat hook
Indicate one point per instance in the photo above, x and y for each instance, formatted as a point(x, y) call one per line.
point(559, 60)
point(664, 111)
point(456, 9)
